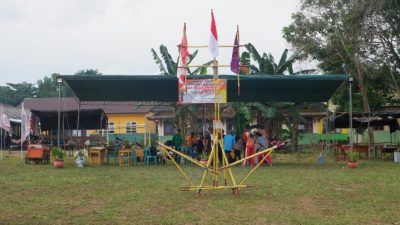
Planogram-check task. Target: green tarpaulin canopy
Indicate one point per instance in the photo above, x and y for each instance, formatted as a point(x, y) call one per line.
point(89, 119)
point(164, 88)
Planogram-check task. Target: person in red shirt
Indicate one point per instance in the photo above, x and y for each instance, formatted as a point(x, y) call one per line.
point(249, 150)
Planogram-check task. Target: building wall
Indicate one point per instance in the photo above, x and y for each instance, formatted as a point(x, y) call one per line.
point(120, 121)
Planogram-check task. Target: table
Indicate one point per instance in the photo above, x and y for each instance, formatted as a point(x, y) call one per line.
point(97, 155)
point(387, 149)
point(360, 148)
point(122, 154)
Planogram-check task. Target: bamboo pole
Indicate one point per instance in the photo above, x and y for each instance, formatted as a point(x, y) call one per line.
point(206, 46)
point(186, 157)
point(195, 188)
point(249, 157)
point(229, 171)
point(210, 158)
point(254, 169)
point(220, 65)
point(177, 166)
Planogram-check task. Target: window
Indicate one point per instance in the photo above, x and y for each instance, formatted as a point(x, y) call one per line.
point(111, 128)
point(307, 125)
point(130, 127)
point(168, 128)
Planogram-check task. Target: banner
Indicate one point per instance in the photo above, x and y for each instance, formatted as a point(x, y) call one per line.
point(202, 91)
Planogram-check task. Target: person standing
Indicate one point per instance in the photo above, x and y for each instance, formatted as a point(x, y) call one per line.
point(177, 139)
point(190, 140)
point(261, 144)
point(207, 142)
point(249, 150)
point(229, 141)
point(238, 147)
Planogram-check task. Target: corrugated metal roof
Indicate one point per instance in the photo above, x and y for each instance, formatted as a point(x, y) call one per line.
point(12, 111)
point(69, 103)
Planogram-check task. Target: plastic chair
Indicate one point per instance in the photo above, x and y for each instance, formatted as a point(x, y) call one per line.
point(139, 154)
point(148, 156)
point(134, 156)
point(113, 154)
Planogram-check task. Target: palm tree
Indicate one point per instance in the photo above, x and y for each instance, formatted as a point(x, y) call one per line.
point(266, 62)
point(168, 66)
point(272, 114)
point(184, 114)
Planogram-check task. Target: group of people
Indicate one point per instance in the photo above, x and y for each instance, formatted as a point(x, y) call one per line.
point(234, 146)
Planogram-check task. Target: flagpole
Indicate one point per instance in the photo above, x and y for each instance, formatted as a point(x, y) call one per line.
point(238, 76)
point(1, 128)
point(1, 136)
point(21, 142)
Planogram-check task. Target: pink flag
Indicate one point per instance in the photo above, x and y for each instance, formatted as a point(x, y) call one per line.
point(4, 121)
point(213, 42)
point(184, 55)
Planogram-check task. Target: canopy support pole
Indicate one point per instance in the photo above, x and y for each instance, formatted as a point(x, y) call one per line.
point(77, 122)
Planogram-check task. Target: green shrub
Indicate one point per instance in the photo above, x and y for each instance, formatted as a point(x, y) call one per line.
point(57, 153)
point(352, 156)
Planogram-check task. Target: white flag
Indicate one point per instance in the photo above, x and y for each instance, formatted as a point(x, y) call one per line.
point(4, 121)
point(25, 125)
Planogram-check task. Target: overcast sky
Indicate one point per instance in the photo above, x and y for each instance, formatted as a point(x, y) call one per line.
point(41, 37)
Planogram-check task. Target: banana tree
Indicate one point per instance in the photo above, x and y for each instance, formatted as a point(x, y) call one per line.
point(168, 66)
point(266, 62)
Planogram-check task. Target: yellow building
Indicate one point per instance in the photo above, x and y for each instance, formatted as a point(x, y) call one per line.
point(130, 123)
point(123, 117)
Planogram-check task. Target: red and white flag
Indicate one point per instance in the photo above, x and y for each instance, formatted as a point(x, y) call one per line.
point(183, 59)
point(4, 121)
point(213, 42)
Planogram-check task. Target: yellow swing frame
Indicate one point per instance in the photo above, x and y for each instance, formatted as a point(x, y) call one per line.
point(213, 160)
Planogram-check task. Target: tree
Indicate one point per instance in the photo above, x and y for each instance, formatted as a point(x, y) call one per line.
point(336, 34)
point(48, 87)
point(273, 115)
point(168, 66)
point(88, 72)
point(266, 62)
point(14, 93)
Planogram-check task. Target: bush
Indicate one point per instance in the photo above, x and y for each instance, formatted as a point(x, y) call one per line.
point(352, 156)
point(57, 153)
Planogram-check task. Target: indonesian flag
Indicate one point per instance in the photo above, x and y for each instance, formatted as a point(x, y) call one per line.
point(25, 125)
point(4, 121)
point(213, 42)
point(184, 56)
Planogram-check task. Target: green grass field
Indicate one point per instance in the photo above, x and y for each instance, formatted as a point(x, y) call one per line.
point(294, 191)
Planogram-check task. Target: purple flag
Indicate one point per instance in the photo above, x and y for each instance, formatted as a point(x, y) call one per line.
point(235, 54)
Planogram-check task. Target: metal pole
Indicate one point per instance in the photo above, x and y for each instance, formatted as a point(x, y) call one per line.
point(350, 113)
point(1, 139)
point(58, 124)
point(77, 123)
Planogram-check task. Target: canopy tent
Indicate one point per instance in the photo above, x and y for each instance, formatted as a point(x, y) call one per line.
point(88, 119)
point(372, 119)
point(164, 88)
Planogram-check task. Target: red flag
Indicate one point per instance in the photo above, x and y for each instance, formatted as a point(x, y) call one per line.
point(184, 55)
point(213, 40)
